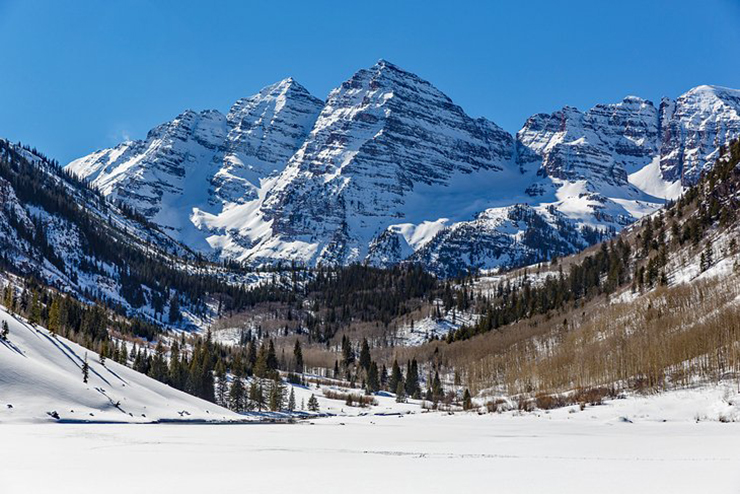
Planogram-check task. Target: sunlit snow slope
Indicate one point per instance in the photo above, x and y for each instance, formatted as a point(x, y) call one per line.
point(41, 374)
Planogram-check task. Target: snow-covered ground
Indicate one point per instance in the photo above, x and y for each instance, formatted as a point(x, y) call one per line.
point(430, 452)
point(41, 374)
point(431, 327)
point(674, 442)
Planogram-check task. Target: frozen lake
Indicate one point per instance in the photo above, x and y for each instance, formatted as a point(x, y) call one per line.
point(413, 453)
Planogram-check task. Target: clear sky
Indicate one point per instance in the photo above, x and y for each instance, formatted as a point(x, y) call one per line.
point(76, 76)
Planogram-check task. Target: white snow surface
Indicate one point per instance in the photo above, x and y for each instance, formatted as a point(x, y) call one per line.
point(650, 180)
point(639, 444)
point(42, 374)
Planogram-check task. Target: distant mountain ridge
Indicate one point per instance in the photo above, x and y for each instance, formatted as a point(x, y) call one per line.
point(390, 169)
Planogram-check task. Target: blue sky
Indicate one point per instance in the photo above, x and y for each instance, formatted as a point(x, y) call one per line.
point(81, 75)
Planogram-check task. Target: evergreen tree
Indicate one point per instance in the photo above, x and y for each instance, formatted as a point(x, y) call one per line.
point(260, 366)
point(467, 400)
point(251, 355)
point(291, 400)
point(313, 404)
point(34, 316)
point(373, 379)
point(236, 394)
point(202, 370)
point(707, 257)
point(365, 355)
point(176, 371)
point(437, 391)
point(277, 395)
point(139, 363)
point(396, 377)
point(257, 395)
point(85, 370)
point(252, 396)
point(5, 331)
point(272, 361)
point(103, 352)
point(158, 369)
point(221, 383)
point(122, 354)
point(298, 357)
point(9, 301)
point(412, 380)
point(347, 353)
point(115, 353)
point(54, 316)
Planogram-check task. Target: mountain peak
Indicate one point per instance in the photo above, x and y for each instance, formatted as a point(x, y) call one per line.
point(389, 152)
point(633, 100)
point(383, 63)
point(282, 87)
point(713, 89)
point(707, 96)
point(384, 68)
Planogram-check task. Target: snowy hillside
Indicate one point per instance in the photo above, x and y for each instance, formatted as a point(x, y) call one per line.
point(41, 380)
point(389, 169)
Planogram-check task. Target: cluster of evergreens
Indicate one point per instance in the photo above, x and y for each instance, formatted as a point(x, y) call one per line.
point(364, 293)
point(600, 273)
point(374, 377)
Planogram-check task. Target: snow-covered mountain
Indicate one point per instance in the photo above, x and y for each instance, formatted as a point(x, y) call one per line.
point(603, 144)
point(58, 231)
point(389, 169)
point(202, 162)
point(383, 136)
point(692, 129)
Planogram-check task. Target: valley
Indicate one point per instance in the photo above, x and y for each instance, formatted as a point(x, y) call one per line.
point(242, 250)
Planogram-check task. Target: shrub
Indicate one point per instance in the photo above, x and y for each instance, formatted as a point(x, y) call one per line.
point(350, 399)
point(548, 402)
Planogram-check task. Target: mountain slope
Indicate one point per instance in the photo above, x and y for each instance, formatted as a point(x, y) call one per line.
point(654, 309)
point(390, 169)
point(66, 235)
point(694, 127)
point(204, 161)
point(42, 374)
point(382, 135)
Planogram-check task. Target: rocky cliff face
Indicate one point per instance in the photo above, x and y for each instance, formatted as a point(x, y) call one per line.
point(389, 169)
point(693, 128)
point(382, 134)
point(603, 144)
point(510, 236)
point(150, 175)
point(204, 160)
point(265, 130)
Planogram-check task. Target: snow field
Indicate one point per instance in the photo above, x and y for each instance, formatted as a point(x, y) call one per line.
point(414, 453)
